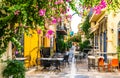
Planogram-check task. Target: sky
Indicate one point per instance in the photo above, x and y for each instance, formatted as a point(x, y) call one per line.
point(75, 18)
point(75, 21)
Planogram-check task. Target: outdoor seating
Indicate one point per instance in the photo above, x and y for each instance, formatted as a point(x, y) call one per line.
point(91, 62)
point(65, 60)
point(45, 52)
point(47, 63)
point(101, 64)
point(114, 64)
point(56, 64)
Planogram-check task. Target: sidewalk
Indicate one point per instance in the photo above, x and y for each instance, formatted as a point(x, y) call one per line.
point(75, 70)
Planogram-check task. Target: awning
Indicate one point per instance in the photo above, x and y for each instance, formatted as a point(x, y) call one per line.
point(92, 29)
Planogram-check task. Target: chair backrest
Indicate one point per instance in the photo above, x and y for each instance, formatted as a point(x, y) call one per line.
point(114, 62)
point(45, 52)
point(100, 62)
point(66, 57)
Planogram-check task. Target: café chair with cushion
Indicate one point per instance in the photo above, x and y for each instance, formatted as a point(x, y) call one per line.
point(114, 64)
point(101, 64)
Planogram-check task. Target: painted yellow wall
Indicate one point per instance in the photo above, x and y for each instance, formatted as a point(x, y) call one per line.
point(32, 46)
point(46, 42)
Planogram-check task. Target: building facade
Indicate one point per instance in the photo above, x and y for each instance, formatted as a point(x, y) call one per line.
point(105, 27)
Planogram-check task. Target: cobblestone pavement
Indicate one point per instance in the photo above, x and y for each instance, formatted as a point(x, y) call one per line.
point(80, 71)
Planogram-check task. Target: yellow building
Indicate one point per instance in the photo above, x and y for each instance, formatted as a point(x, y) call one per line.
point(106, 29)
point(33, 44)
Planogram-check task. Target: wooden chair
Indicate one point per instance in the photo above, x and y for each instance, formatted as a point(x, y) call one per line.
point(101, 64)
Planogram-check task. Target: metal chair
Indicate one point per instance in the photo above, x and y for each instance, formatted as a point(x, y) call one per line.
point(65, 60)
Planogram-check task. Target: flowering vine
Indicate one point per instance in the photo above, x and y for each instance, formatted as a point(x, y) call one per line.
point(99, 7)
point(49, 33)
point(42, 12)
point(27, 14)
point(31, 13)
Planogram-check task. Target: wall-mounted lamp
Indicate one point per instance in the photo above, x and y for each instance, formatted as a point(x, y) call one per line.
point(112, 30)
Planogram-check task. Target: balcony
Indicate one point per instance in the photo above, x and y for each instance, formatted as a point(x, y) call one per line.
point(61, 30)
point(93, 17)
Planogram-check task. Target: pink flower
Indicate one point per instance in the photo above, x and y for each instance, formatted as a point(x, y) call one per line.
point(59, 19)
point(69, 16)
point(39, 31)
point(16, 52)
point(42, 12)
point(48, 36)
point(56, 2)
point(68, 9)
point(16, 12)
point(68, 0)
point(59, 2)
point(49, 33)
point(103, 4)
point(98, 8)
point(54, 20)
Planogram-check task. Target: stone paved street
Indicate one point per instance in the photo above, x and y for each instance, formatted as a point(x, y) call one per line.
point(78, 70)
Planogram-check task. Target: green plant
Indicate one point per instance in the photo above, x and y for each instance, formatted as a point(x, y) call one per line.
point(15, 69)
point(61, 45)
point(84, 44)
point(118, 51)
point(85, 27)
point(76, 38)
point(18, 16)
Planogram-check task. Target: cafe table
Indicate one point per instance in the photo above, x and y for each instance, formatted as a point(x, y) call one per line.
point(50, 61)
point(22, 59)
point(91, 62)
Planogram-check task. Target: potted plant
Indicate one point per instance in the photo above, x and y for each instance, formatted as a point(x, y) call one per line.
point(14, 69)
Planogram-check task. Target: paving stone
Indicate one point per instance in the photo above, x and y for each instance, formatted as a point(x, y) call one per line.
point(81, 76)
point(81, 72)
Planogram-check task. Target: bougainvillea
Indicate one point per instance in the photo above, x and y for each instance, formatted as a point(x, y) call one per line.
point(49, 33)
point(99, 7)
point(18, 16)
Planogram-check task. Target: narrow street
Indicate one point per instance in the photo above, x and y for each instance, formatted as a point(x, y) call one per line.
point(77, 69)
